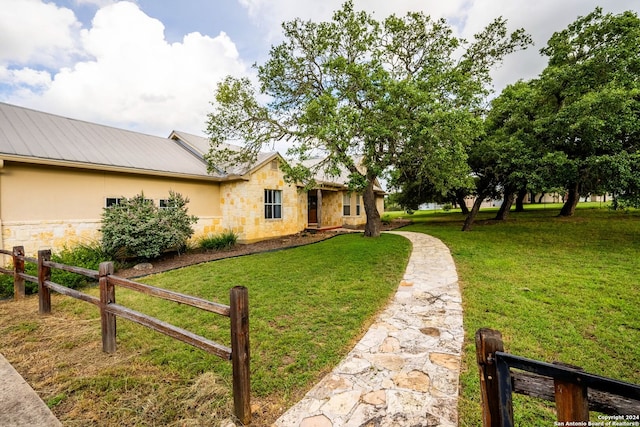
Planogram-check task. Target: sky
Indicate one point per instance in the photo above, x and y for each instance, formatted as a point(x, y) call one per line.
point(152, 65)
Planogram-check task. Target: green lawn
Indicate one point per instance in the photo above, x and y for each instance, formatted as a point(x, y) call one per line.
point(307, 305)
point(559, 289)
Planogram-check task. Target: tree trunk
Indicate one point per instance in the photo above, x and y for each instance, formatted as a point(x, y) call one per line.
point(520, 200)
point(474, 212)
point(541, 197)
point(373, 226)
point(569, 207)
point(503, 212)
point(462, 202)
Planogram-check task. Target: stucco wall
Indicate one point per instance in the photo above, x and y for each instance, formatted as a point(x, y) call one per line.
point(46, 207)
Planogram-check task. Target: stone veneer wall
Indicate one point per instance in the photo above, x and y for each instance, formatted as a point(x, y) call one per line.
point(54, 235)
point(331, 210)
point(354, 220)
point(242, 206)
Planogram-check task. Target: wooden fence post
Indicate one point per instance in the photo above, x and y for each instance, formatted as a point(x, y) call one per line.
point(239, 314)
point(44, 274)
point(107, 296)
point(572, 403)
point(18, 267)
point(488, 341)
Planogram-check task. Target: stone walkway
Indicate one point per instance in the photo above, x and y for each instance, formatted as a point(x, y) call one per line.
point(404, 371)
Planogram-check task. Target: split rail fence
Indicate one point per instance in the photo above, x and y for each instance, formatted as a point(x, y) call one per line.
point(237, 311)
point(574, 391)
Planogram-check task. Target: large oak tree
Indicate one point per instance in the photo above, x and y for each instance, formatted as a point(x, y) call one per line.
point(366, 96)
point(591, 113)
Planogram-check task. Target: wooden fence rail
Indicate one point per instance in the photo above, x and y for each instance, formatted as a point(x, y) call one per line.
point(574, 391)
point(237, 312)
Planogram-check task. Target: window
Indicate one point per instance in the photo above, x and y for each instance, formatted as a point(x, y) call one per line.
point(274, 165)
point(164, 204)
point(346, 204)
point(112, 201)
point(272, 204)
point(357, 204)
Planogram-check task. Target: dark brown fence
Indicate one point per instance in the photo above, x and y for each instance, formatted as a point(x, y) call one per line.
point(237, 311)
point(574, 391)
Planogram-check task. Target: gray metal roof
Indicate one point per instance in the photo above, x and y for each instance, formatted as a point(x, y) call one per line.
point(201, 145)
point(39, 137)
point(323, 178)
point(35, 135)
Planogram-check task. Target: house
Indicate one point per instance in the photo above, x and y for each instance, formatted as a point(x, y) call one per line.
point(58, 174)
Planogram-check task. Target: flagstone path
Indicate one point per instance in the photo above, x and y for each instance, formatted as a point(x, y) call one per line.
point(404, 371)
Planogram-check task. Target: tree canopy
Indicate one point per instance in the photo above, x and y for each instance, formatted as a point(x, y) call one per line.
point(575, 128)
point(368, 96)
point(591, 103)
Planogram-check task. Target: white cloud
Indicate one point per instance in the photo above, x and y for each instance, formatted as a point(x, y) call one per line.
point(36, 32)
point(540, 18)
point(25, 77)
point(121, 70)
point(99, 3)
point(269, 14)
point(135, 79)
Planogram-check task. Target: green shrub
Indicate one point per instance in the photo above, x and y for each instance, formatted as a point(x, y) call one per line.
point(386, 219)
point(6, 286)
point(137, 228)
point(83, 255)
point(87, 255)
point(447, 207)
point(218, 242)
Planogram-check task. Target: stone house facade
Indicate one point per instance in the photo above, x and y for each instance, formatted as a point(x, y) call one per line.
point(58, 174)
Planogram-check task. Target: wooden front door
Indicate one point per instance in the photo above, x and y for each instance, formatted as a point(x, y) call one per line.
point(313, 208)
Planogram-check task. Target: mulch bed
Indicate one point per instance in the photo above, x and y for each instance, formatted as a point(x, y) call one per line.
point(173, 261)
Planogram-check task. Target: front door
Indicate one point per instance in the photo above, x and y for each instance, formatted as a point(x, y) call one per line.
point(313, 208)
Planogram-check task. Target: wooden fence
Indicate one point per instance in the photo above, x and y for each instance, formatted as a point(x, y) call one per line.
point(574, 391)
point(237, 311)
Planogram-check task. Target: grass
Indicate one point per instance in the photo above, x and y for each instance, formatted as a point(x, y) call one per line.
point(308, 306)
point(559, 289)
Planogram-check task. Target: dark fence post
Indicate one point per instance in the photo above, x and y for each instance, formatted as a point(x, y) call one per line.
point(107, 296)
point(572, 402)
point(488, 341)
point(239, 314)
point(18, 268)
point(44, 274)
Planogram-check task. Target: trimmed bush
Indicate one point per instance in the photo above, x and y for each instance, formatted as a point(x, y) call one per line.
point(219, 242)
point(137, 228)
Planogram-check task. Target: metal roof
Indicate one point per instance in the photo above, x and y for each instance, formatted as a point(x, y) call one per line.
point(322, 178)
point(200, 146)
point(38, 137)
point(35, 135)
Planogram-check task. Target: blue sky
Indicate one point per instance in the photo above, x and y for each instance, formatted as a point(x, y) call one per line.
point(152, 65)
